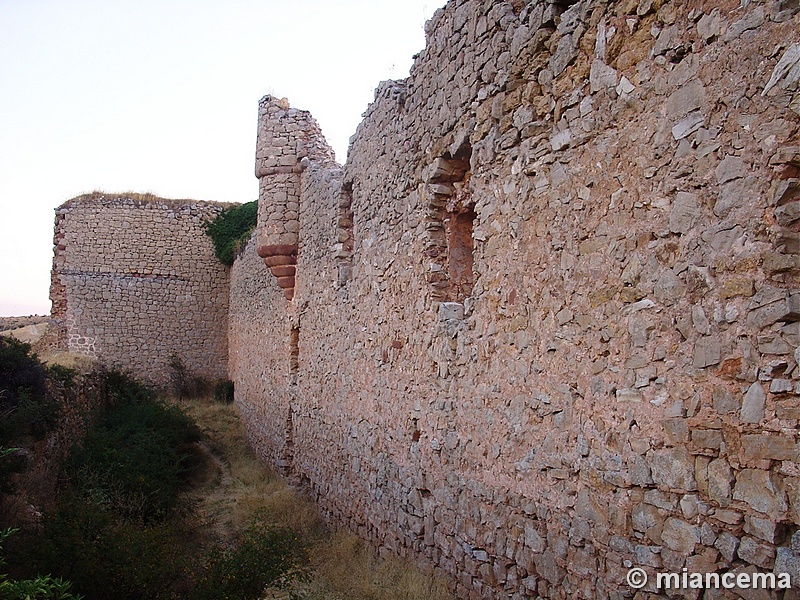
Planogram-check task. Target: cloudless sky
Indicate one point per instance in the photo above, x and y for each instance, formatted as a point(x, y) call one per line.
point(161, 96)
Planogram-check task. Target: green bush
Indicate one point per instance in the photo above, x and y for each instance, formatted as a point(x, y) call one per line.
point(262, 557)
point(122, 388)
point(64, 375)
point(41, 587)
point(26, 409)
point(231, 229)
point(109, 558)
point(183, 383)
point(135, 462)
point(122, 526)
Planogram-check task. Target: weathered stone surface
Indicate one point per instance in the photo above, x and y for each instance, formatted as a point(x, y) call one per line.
point(673, 468)
point(753, 404)
point(547, 566)
point(608, 194)
point(707, 438)
point(685, 212)
point(451, 311)
point(707, 352)
point(781, 386)
point(720, 478)
point(756, 552)
point(764, 529)
point(734, 194)
point(680, 536)
point(731, 167)
point(602, 76)
point(688, 125)
point(753, 19)
point(685, 99)
point(737, 286)
point(669, 288)
point(787, 561)
point(710, 25)
point(769, 447)
point(136, 283)
point(771, 304)
point(757, 488)
point(786, 72)
point(727, 545)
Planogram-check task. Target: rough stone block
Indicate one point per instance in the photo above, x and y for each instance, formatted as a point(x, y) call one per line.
point(756, 552)
point(769, 447)
point(757, 488)
point(753, 405)
point(673, 468)
point(680, 536)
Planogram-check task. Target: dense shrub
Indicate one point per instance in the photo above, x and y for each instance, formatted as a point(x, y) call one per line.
point(41, 587)
point(26, 409)
point(63, 375)
point(109, 558)
point(120, 527)
point(261, 557)
point(231, 229)
point(183, 383)
point(123, 526)
point(136, 460)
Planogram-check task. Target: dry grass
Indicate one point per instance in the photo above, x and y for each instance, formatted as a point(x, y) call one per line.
point(344, 568)
point(70, 360)
point(243, 489)
point(9, 323)
point(139, 198)
point(30, 334)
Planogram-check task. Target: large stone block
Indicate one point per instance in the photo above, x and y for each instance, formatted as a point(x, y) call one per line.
point(757, 488)
point(673, 468)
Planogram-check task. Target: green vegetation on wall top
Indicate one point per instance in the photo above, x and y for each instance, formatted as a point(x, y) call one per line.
point(231, 229)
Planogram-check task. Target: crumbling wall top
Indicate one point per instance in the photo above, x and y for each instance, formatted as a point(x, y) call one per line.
point(288, 139)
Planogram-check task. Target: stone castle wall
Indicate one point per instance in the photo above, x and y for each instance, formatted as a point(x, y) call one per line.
point(543, 326)
point(135, 283)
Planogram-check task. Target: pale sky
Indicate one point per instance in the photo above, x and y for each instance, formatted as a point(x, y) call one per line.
point(161, 96)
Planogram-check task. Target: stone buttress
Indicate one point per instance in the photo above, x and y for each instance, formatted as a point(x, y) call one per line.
point(288, 141)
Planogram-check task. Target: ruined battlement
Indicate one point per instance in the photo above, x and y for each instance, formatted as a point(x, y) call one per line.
point(135, 283)
point(288, 141)
point(543, 325)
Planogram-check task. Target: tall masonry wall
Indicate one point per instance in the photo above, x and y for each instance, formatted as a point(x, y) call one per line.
point(544, 323)
point(135, 283)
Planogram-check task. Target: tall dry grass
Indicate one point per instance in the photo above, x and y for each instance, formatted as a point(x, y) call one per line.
point(243, 489)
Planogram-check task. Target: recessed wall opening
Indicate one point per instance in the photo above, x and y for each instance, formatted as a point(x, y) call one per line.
point(294, 355)
point(458, 228)
point(345, 239)
point(287, 456)
point(450, 225)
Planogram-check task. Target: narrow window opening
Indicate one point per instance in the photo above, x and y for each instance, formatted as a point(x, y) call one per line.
point(450, 225)
point(460, 258)
point(287, 457)
point(294, 355)
point(345, 239)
